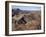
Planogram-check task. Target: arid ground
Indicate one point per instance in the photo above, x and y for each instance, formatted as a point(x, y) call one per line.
point(26, 20)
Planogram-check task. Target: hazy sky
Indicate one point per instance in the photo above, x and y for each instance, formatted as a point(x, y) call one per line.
point(30, 8)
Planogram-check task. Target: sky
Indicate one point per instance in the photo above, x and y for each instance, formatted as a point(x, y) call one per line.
point(30, 8)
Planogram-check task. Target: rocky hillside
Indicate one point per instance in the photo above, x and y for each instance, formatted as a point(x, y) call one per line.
point(26, 21)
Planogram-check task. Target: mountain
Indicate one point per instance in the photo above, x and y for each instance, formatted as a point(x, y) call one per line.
point(19, 11)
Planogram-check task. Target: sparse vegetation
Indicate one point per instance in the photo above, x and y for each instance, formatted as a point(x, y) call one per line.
point(29, 20)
